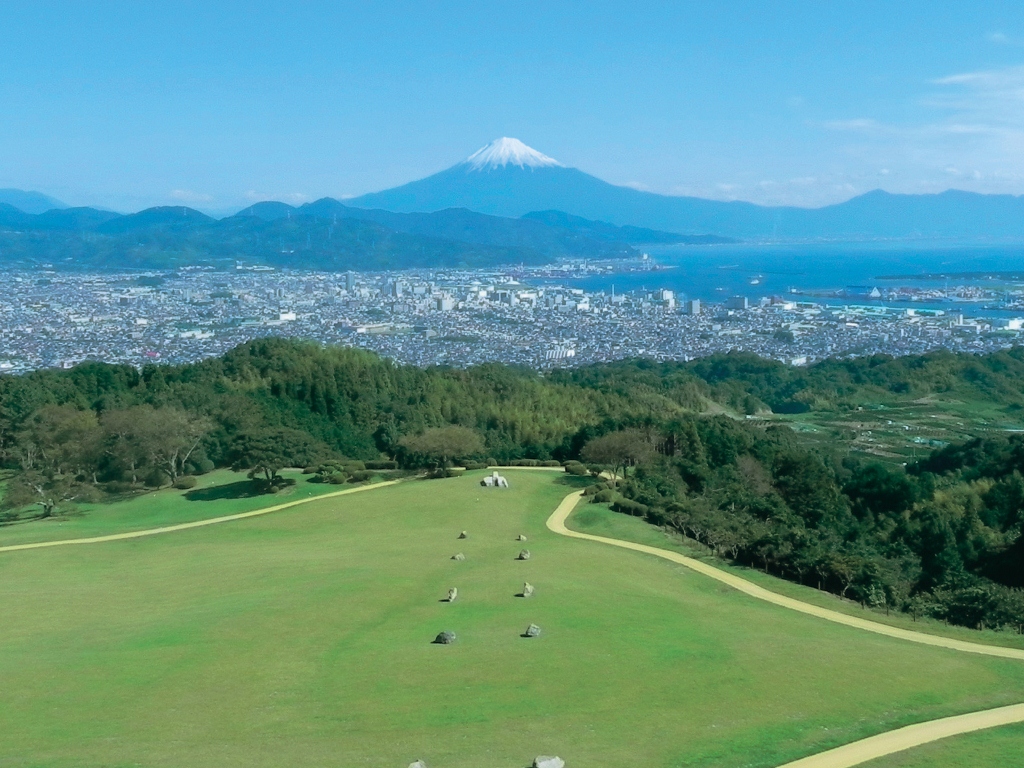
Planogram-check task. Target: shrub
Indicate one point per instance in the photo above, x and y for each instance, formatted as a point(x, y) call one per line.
point(118, 487)
point(474, 465)
point(360, 476)
point(382, 464)
point(185, 482)
point(155, 479)
point(490, 462)
point(524, 463)
point(338, 478)
point(551, 463)
point(630, 507)
point(204, 466)
point(354, 466)
point(575, 468)
point(604, 496)
point(309, 470)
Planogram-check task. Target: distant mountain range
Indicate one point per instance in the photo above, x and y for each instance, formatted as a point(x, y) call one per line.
point(325, 234)
point(507, 178)
point(505, 203)
point(29, 202)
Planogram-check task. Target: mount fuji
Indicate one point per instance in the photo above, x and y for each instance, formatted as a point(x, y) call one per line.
point(508, 178)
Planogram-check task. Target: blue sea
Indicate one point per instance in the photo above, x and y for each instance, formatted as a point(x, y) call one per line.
point(711, 273)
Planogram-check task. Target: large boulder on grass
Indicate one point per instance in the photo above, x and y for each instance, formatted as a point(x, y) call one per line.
point(524, 554)
point(453, 595)
point(463, 535)
point(532, 631)
point(418, 764)
point(458, 556)
point(527, 590)
point(545, 761)
point(445, 638)
point(520, 537)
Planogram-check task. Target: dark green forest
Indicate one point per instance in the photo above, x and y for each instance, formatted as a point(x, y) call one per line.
point(940, 536)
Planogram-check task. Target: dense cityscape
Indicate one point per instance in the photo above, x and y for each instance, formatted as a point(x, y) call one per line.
point(531, 317)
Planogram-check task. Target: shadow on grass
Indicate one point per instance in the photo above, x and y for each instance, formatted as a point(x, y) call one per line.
point(243, 489)
point(576, 481)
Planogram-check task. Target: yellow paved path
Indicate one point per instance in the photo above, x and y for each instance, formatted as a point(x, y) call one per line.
point(859, 751)
point(194, 524)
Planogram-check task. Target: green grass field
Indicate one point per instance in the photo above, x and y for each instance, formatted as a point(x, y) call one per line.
point(222, 492)
point(598, 519)
point(302, 638)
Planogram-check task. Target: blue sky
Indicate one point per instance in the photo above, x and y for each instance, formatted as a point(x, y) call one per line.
point(217, 104)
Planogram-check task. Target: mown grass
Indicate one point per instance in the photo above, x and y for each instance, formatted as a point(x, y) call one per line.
point(997, 748)
point(602, 521)
point(303, 638)
point(222, 492)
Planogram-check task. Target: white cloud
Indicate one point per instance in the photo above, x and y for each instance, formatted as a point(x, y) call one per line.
point(857, 124)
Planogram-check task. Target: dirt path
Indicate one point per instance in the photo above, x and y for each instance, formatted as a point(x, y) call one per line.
point(864, 750)
point(194, 524)
point(557, 520)
point(912, 736)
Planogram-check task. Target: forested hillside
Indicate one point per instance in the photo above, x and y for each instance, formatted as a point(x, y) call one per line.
point(940, 536)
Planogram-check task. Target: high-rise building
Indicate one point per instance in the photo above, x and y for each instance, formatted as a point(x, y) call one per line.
point(736, 302)
point(692, 307)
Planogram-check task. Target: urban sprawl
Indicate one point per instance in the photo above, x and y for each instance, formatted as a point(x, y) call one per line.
point(458, 318)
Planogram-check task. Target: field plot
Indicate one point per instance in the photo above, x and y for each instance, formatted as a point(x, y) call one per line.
point(304, 638)
point(904, 430)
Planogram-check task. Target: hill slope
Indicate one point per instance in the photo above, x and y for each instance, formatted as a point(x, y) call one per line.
point(29, 202)
point(303, 638)
point(517, 188)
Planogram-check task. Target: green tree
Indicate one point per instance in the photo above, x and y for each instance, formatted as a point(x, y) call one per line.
point(439, 446)
point(619, 450)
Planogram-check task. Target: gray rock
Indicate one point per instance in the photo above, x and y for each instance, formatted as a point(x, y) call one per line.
point(527, 589)
point(524, 554)
point(453, 594)
point(458, 556)
point(544, 761)
point(520, 537)
point(463, 535)
point(418, 764)
point(532, 631)
point(445, 638)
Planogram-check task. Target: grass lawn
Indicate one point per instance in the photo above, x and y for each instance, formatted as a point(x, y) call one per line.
point(222, 492)
point(303, 639)
point(997, 748)
point(598, 519)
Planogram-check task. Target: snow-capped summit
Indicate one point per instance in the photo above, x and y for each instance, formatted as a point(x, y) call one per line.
point(506, 151)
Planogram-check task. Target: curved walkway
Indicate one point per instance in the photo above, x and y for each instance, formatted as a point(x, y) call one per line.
point(194, 524)
point(557, 520)
point(864, 750)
